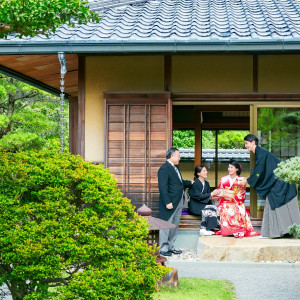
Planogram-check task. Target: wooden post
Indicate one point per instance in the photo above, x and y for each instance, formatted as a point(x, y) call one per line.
point(81, 106)
point(73, 125)
point(216, 159)
point(198, 136)
point(253, 130)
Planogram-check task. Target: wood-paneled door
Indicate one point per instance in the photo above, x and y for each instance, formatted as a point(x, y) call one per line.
point(138, 133)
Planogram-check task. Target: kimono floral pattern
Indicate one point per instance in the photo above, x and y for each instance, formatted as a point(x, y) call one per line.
point(233, 216)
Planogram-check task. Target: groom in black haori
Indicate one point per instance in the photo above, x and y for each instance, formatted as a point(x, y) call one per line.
point(281, 207)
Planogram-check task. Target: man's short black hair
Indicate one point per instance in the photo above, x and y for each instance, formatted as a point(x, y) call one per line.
point(250, 138)
point(170, 152)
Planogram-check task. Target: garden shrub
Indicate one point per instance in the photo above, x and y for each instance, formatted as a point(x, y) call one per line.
point(295, 230)
point(289, 170)
point(66, 232)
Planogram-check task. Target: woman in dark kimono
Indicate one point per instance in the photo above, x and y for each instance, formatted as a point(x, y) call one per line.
point(202, 203)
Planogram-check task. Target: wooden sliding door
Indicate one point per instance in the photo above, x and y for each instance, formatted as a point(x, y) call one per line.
point(138, 133)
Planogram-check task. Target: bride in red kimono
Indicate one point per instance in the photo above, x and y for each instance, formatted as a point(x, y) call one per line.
point(233, 216)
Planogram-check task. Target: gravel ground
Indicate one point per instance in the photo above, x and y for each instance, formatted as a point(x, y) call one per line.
point(191, 255)
point(261, 281)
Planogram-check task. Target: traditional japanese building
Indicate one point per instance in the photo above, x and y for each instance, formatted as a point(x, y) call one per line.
point(153, 66)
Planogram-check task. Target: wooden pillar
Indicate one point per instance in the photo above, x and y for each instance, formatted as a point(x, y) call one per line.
point(198, 136)
point(253, 130)
point(216, 159)
point(73, 125)
point(81, 106)
point(168, 88)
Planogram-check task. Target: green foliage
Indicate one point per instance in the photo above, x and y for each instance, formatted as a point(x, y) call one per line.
point(30, 118)
point(279, 128)
point(198, 289)
point(295, 230)
point(31, 17)
point(183, 138)
point(232, 139)
point(208, 139)
point(21, 141)
point(228, 139)
point(66, 232)
point(289, 170)
point(4, 121)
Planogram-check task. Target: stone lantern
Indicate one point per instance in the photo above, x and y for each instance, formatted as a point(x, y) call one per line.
point(156, 224)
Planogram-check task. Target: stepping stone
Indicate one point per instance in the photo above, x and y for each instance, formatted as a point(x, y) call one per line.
point(252, 249)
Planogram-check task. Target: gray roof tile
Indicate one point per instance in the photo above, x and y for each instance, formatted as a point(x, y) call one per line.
point(187, 19)
point(223, 154)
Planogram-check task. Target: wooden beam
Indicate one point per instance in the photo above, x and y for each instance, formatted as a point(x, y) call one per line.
point(182, 125)
point(220, 108)
point(238, 123)
point(221, 126)
point(135, 98)
point(247, 98)
point(81, 106)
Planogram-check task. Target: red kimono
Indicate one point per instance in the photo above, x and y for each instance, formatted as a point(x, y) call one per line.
point(233, 216)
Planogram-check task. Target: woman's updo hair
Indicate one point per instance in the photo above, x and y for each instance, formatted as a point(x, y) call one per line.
point(237, 165)
point(198, 169)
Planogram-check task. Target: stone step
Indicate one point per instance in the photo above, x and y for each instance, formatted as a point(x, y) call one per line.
point(255, 249)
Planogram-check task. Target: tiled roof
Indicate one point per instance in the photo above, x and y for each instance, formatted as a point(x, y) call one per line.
point(158, 20)
point(174, 26)
point(223, 154)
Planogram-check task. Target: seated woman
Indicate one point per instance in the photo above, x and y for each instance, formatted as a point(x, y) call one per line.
point(233, 216)
point(201, 202)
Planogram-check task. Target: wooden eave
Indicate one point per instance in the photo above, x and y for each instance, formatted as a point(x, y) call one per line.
point(42, 71)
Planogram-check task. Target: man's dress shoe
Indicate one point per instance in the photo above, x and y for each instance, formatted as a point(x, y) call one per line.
point(176, 251)
point(165, 253)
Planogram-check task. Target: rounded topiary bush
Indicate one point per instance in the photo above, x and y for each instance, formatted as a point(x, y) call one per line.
point(66, 232)
point(289, 170)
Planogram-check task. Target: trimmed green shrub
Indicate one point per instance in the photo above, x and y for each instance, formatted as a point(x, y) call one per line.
point(66, 232)
point(295, 230)
point(289, 170)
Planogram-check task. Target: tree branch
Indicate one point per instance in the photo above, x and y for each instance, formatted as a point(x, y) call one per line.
point(77, 268)
point(33, 94)
point(57, 280)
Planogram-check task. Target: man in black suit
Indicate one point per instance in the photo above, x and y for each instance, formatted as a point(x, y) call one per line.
point(171, 188)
